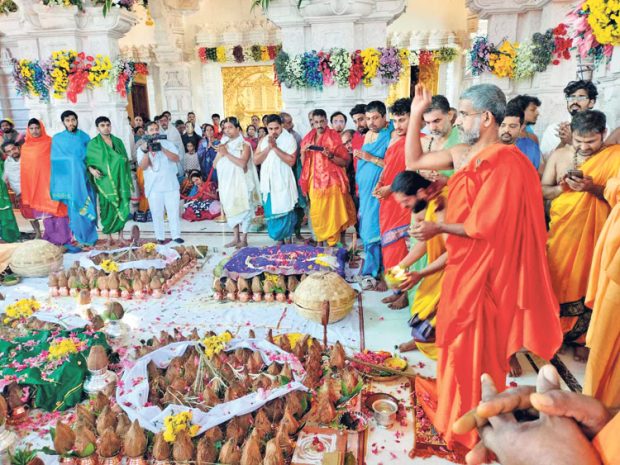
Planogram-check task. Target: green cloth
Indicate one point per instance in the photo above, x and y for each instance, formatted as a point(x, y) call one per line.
point(8, 224)
point(114, 188)
point(57, 387)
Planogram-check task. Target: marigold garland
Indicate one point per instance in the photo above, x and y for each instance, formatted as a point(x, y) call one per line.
point(62, 348)
point(502, 61)
point(23, 308)
point(174, 424)
point(370, 58)
point(215, 344)
point(239, 53)
point(604, 19)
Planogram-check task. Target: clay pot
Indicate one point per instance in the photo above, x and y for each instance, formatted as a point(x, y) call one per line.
point(63, 292)
point(244, 296)
point(54, 291)
point(257, 296)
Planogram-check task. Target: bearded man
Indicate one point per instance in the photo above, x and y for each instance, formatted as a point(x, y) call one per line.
point(496, 296)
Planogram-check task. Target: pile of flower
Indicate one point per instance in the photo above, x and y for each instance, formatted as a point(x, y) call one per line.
point(591, 29)
point(68, 73)
point(239, 53)
point(174, 424)
point(19, 310)
point(109, 266)
point(215, 344)
point(61, 348)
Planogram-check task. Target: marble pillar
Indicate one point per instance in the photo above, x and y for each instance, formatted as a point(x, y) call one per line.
point(321, 25)
point(36, 30)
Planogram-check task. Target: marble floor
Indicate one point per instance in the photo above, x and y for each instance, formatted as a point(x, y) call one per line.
point(384, 329)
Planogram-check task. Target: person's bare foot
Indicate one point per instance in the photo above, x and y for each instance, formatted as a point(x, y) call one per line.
point(515, 367)
point(232, 243)
point(408, 346)
point(381, 286)
point(241, 244)
point(400, 303)
point(581, 354)
point(391, 298)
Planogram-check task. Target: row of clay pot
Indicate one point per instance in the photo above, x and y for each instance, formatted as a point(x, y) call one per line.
point(246, 296)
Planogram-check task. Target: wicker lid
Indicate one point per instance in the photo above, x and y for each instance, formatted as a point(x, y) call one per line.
point(36, 258)
point(321, 286)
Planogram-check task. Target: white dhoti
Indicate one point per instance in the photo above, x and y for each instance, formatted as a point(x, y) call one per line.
point(168, 203)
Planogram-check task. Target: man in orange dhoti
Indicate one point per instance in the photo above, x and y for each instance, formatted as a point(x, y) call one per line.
point(496, 296)
point(324, 180)
point(394, 219)
point(574, 179)
point(603, 369)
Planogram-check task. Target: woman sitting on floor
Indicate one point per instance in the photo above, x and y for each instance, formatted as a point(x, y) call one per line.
point(199, 204)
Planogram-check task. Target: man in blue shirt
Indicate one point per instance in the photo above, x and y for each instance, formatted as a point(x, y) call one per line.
point(511, 128)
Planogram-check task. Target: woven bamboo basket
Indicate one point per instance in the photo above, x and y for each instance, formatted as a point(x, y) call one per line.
point(321, 286)
point(36, 258)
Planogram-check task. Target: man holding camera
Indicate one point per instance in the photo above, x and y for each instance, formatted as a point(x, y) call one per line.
point(158, 159)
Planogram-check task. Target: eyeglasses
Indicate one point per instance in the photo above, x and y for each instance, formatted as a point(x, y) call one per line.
point(577, 98)
point(463, 114)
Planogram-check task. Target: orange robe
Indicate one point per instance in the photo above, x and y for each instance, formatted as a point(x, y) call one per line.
point(496, 295)
point(602, 379)
point(35, 175)
point(577, 219)
point(326, 184)
point(394, 219)
point(606, 442)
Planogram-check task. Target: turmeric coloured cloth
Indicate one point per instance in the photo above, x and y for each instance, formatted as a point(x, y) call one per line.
point(394, 219)
point(424, 306)
point(606, 442)
point(496, 295)
point(602, 379)
point(326, 184)
point(577, 219)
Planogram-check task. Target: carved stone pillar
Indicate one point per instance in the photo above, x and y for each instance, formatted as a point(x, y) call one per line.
point(171, 79)
point(320, 24)
point(35, 31)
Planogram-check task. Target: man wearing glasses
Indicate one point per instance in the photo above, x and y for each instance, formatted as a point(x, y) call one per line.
point(580, 96)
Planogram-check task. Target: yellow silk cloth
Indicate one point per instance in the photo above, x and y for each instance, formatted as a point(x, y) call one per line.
point(577, 219)
point(331, 212)
point(427, 296)
point(602, 379)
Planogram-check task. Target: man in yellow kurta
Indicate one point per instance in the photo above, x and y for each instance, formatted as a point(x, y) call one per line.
point(603, 369)
point(324, 180)
point(575, 178)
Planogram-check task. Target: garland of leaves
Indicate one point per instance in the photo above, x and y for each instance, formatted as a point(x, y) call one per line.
point(590, 30)
point(239, 53)
point(315, 70)
point(68, 73)
point(7, 6)
point(107, 5)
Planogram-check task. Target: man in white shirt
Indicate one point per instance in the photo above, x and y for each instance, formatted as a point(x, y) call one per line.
point(159, 162)
point(12, 167)
point(175, 137)
point(580, 96)
point(191, 118)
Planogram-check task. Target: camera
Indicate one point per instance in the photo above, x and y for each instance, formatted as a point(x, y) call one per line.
point(152, 143)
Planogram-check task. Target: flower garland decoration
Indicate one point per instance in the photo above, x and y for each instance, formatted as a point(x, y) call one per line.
point(312, 75)
point(32, 78)
point(445, 55)
point(7, 6)
point(21, 309)
point(280, 68)
point(479, 56)
point(109, 266)
point(561, 43)
point(174, 424)
point(604, 19)
point(502, 61)
point(215, 344)
point(543, 46)
point(239, 53)
point(296, 73)
point(356, 73)
point(584, 40)
point(370, 58)
point(390, 65)
point(524, 64)
point(325, 68)
point(68, 73)
point(340, 61)
point(425, 58)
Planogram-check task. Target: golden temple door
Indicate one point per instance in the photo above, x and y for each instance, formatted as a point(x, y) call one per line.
point(250, 90)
